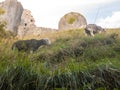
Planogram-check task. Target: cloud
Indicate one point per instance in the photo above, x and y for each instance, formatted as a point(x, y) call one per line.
point(47, 13)
point(110, 21)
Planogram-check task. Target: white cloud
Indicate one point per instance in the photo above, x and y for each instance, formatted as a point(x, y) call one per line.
point(110, 21)
point(47, 13)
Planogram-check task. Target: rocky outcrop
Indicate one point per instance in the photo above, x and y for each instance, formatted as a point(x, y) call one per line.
point(33, 31)
point(72, 20)
point(28, 28)
point(21, 22)
point(27, 25)
point(27, 19)
point(13, 12)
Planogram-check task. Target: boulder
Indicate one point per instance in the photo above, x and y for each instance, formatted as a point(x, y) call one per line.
point(13, 12)
point(72, 20)
point(92, 29)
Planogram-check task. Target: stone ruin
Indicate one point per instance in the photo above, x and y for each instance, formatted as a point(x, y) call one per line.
point(27, 19)
point(27, 23)
point(21, 22)
point(28, 28)
point(72, 20)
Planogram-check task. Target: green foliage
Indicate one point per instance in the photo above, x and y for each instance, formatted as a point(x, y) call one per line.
point(60, 89)
point(3, 32)
point(71, 20)
point(1, 11)
point(2, 24)
point(72, 63)
point(101, 88)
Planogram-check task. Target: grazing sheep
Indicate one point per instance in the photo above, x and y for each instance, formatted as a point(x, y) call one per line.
point(30, 45)
point(92, 29)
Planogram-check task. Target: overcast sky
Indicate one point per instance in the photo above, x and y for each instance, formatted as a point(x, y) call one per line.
point(47, 13)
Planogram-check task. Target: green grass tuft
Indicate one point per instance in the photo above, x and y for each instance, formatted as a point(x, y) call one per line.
point(72, 62)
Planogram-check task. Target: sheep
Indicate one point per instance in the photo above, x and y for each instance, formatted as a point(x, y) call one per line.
point(30, 45)
point(92, 29)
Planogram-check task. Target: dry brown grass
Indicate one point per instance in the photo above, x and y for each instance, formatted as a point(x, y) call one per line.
point(57, 34)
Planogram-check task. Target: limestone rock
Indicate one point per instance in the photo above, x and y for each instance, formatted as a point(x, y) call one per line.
point(13, 12)
point(27, 25)
point(27, 19)
point(72, 20)
point(28, 28)
point(34, 31)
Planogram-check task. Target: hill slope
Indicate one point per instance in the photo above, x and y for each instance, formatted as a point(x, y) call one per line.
point(73, 62)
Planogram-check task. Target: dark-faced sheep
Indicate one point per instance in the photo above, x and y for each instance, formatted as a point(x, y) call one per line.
point(92, 29)
point(30, 45)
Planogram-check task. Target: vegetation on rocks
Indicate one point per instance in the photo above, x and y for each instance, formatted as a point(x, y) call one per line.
point(71, 20)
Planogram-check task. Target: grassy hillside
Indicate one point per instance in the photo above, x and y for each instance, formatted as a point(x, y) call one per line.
point(73, 62)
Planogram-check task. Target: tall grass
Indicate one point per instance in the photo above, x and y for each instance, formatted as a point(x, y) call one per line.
point(72, 62)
